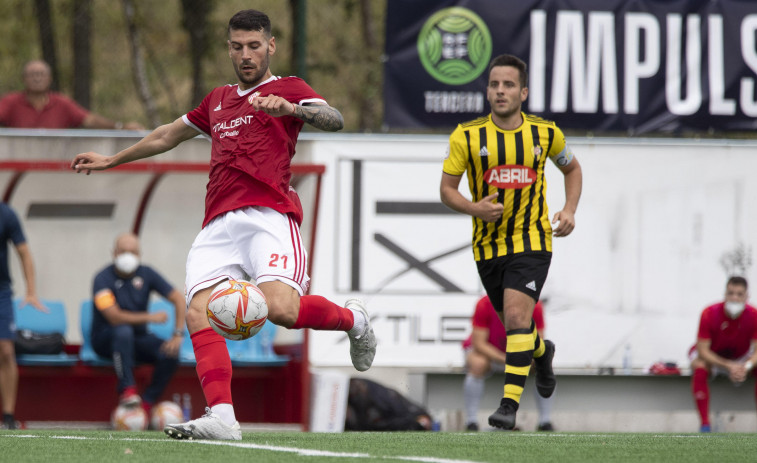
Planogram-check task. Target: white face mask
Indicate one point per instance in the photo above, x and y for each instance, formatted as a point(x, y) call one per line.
point(734, 309)
point(126, 263)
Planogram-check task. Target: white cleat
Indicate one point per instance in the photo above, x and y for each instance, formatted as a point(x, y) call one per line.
point(208, 426)
point(362, 346)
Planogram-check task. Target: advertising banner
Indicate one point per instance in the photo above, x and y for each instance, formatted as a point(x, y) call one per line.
point(596, 65)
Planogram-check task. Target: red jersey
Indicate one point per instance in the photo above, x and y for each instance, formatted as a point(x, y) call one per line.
point(486, 317)
point(729, 338)
point(251, 152)
point(60, 112)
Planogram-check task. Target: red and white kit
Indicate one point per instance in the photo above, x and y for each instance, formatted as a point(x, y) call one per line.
point(249, 174)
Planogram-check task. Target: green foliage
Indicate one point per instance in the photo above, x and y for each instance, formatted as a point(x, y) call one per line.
point(339, 66)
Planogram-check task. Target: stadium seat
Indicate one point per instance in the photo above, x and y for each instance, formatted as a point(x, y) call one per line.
point(258, 350)
point(162, 330)
point(87, 353)
point(186, 351)
point(54, 321)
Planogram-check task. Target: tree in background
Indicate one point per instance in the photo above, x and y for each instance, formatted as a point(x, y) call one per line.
point(138, 64)
point(82, 32)
point(195, 21)
point(47, 37)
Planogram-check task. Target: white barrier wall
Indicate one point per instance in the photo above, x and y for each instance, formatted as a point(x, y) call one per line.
point(655, 218)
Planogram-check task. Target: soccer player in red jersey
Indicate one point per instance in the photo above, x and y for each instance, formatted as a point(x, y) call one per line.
point(725, 344)
point(252, 214)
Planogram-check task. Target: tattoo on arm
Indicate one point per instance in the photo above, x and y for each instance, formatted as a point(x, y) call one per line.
point(320, 116)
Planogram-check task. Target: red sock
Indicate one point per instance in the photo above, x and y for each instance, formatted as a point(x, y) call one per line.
point(701, 392)
point(319, 313)
point(213, 366)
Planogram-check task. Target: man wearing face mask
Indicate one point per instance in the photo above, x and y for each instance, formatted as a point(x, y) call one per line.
point(119, 326)
point(725, 345)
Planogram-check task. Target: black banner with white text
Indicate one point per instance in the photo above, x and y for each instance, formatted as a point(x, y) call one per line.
point(597, 65)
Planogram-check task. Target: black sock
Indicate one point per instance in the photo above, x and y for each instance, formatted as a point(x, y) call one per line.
point(8, 418)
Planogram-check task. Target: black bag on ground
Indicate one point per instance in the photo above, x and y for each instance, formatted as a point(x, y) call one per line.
point(29, 342)
point(373, 407)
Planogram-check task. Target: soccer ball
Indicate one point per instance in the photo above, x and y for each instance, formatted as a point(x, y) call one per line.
point(131, 418)
point(164, 413)
point(237, 310)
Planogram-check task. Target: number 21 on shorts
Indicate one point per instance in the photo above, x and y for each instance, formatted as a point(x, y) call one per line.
point(278, 261)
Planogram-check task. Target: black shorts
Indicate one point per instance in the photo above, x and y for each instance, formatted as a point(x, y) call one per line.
point(525, 272)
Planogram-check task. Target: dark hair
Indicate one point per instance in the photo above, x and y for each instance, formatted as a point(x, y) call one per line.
point(250, 20)
point(738, 281)
point(514, 61)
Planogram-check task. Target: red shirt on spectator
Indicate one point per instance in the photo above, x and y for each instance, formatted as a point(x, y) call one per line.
point(486, 317)
point(60, 112)
point(729, 338)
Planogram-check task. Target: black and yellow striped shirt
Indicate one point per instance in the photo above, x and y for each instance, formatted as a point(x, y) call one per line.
point(511, 164)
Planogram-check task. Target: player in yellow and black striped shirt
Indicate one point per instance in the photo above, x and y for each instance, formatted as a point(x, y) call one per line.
point(504, 155)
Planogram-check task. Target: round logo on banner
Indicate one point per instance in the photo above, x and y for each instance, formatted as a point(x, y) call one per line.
point(455, 46)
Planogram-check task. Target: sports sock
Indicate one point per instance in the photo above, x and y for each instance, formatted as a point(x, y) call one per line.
point(473, 390)
point(226, 412)
point(520, 353)
point(701, 392)
point(213, 366)
point(319, 313)
point(544, 405)
point(538, 344)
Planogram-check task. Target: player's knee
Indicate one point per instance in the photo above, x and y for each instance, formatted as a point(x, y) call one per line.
point(7, 353)
point(197, 317)
point(283, 311)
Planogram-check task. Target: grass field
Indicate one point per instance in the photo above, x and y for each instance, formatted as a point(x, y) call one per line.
point(439, 447)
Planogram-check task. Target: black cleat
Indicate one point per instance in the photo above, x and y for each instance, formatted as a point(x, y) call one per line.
point(545, 376)
point(473, 427)
point(546, 427)
point(504, 417)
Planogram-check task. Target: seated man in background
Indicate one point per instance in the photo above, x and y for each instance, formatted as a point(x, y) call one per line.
point(119, 326)
point(37, 107)
point(725, 345)
point(485, 354)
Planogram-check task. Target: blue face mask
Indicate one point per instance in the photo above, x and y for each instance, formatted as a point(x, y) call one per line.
point(734, 309)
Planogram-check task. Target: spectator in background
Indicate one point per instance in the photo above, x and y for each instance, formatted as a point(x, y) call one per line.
point(36, 107)
point(119, 327)
point(725, 345)
point(485, 352)
point(10, 230)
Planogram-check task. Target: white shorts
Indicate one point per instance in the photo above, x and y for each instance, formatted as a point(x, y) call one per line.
point(251, 243)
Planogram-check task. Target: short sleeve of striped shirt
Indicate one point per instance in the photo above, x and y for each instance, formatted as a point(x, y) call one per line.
point(456, 161)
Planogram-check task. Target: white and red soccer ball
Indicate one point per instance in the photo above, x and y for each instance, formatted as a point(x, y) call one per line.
point(237, 309)
point(164, 413)
point(129, 418)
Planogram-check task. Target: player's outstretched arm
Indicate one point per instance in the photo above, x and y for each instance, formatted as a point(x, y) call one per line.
point(158, 141)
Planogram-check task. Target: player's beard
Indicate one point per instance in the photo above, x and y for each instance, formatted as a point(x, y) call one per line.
point(507, 113)
point(257, 76)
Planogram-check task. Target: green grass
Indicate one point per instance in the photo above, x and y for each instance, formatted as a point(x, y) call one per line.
point(442, 447)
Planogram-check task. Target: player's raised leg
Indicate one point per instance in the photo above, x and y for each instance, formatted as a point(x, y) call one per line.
point(287, 308)
point(277, 259)
point(214, 372)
